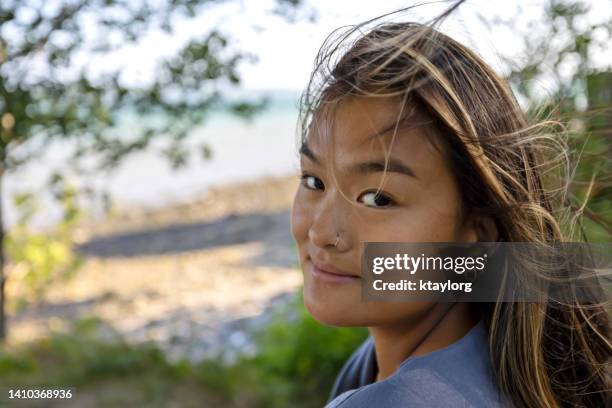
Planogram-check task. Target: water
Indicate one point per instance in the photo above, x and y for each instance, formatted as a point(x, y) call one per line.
point(241, 151)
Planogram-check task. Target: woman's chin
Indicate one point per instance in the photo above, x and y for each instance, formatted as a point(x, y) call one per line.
point(346, 309)
point(332, 311)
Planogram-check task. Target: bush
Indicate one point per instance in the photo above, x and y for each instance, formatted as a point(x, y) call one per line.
point(296, 362)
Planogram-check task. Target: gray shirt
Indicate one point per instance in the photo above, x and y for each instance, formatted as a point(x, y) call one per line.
point(458, 375)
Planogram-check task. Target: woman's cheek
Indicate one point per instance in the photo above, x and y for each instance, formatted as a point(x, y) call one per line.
point(415, 225)
point(388, 227)
point(300, 221)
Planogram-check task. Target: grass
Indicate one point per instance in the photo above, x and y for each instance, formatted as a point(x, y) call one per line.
point(295, 364)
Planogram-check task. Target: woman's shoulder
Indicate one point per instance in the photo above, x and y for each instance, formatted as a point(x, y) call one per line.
point(359, 370)
point(457, 375)
point(429, 392)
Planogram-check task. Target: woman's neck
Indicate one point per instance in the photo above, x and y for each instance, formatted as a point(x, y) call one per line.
point(443, 325)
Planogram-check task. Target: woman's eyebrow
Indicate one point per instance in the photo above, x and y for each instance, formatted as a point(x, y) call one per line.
point(376, 166)
point(305, 150)
point(366, 167)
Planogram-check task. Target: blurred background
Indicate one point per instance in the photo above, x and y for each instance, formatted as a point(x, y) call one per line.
point(147, 167)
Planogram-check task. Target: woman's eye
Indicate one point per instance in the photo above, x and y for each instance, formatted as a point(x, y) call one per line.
point(372, 199)
point(312, 183)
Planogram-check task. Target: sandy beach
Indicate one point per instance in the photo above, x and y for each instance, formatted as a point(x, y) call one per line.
point(193, 277)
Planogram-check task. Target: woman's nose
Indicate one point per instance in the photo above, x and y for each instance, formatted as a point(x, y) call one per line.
point(327, 222)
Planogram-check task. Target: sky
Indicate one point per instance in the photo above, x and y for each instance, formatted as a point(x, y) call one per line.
point(286, 50)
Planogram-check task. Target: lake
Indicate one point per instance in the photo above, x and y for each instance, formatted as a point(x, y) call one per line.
point(265, 146)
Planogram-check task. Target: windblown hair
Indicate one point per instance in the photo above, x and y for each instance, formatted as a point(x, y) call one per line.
point(544, 354)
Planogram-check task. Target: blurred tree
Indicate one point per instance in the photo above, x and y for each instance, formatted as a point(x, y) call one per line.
point(37, 259)
point(559, 75)
point(49, 91)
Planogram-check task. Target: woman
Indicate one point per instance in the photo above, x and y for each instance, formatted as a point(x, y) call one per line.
point(408, 136)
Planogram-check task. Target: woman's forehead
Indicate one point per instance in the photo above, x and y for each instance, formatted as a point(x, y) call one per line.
point(366, 125)
point(357, 114)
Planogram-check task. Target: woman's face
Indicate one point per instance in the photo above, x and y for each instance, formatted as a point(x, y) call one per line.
point(342, 165)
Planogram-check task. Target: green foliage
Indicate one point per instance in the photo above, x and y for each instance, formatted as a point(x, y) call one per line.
point(105, 373)
point(39, 258)
point(561, 53)
point(77, 357)
point(296, 362)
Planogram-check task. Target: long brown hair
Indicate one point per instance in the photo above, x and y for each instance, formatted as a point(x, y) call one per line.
point(544, 354)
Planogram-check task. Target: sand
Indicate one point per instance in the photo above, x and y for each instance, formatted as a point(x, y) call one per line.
point(193, 277)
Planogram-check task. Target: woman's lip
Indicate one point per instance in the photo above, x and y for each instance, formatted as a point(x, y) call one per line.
point(330, 277)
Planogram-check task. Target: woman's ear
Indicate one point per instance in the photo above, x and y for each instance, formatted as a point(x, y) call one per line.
point(486, 229)
point(479, 229)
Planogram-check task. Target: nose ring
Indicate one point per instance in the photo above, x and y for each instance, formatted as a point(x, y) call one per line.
point(337, 240)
